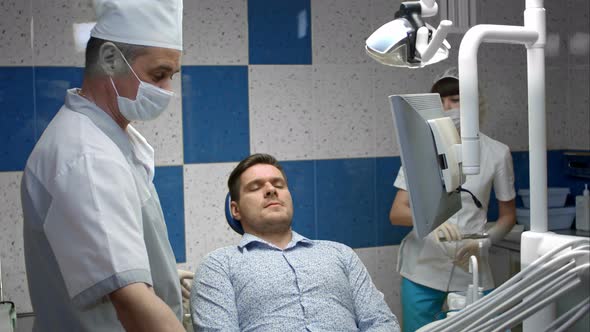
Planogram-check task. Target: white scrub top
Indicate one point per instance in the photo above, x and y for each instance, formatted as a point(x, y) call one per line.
point(429, 263)
point(92, 221)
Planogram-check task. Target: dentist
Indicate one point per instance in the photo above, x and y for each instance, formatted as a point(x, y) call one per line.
point(96, 247)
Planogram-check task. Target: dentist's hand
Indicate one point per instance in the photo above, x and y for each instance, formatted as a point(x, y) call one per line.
point(448, 231)
point(186, 282)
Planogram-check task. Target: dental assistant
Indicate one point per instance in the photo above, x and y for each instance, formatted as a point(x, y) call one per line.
point(96, 247)
point(430, 268)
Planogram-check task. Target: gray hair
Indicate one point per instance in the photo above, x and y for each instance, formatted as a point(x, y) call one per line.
point(92, 67)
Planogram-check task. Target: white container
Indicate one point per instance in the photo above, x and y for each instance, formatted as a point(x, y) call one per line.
point(556, 197)
point(557, 218)
point(583, 210)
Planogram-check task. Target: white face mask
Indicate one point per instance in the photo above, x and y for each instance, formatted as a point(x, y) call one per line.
point(149, 103)
point(455, 116)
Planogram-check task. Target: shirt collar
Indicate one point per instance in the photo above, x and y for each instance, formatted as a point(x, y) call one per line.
point(143, 151)
point(102, 120)
point(295, 239)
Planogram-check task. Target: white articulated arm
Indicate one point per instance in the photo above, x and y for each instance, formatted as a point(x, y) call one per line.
point(428, 50)
point(468, 82)
point(429, 8)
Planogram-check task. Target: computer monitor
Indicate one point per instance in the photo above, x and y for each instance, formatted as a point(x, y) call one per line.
point(429, 157)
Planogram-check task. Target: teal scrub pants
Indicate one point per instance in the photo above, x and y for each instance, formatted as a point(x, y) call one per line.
point(421, 305)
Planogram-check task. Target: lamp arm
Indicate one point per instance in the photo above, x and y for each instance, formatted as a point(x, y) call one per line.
point(429, 8)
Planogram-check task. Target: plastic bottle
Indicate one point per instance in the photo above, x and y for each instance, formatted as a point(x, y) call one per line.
point(583, 210)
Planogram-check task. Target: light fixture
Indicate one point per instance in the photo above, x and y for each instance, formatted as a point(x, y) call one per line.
point(407, 41)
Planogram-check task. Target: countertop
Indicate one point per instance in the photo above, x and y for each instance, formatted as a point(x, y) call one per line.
point(512, 240)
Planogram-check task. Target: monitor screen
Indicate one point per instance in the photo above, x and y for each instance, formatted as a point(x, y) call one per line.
point(430, 202)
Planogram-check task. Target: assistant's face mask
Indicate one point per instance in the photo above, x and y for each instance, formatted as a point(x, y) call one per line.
point(149, 103)
point(455, 116)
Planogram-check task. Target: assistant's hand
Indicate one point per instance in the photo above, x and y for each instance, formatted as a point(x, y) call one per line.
point(448, 231)
point(186, 282)
point(471, 248)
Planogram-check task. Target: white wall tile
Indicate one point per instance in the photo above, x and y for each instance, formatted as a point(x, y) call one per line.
point(501, 54)
point(381, 12)
point(387, 279)
point(11, 242)
point(53, 38)
point(215, 32)
point(339, 29)
point(578, 31)
point(506, 116)
point(165, 132)
point(508, 12)
point(578, 112)
point(15, 33)
point(344, 116)
point(381, 264)
point(205, 187)
point(281, 110)
point(558, 22)
point(369, 258)
point(395, 81)
point(556, 109)
point(505, 12)
point(500, 12)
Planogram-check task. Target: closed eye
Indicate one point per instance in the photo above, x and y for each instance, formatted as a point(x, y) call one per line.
point(278, 183)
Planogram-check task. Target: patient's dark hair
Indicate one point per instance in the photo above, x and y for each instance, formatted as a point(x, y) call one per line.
point(445, 87)
point(233, 182)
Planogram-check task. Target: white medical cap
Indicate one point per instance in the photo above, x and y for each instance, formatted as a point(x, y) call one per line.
point(140, 22)
point(452, 72)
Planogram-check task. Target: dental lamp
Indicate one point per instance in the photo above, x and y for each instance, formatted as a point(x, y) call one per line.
point(407, 41)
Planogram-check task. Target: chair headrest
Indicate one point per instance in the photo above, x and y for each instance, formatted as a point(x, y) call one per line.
point(233, 223)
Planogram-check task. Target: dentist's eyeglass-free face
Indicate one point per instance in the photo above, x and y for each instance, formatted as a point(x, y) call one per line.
point(156, 66)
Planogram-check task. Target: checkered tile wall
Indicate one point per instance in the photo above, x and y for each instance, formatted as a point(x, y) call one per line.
point(289, 78)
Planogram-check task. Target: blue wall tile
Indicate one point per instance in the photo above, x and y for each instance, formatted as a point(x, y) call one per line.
point(279, 32)
point(301, 178)
point(387, 234)
point(559, 177)
point(17, 128)
point(51, 84)
point(27, 109)
point(169, 183)
point(520, 160)
point(556, 174)
point(556, 177)
point(215, 113)
point(346, 201)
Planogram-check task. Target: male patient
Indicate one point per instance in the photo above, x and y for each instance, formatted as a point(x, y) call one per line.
point(276, 279)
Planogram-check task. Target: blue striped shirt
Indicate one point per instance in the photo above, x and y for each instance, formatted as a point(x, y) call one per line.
point(309, 286)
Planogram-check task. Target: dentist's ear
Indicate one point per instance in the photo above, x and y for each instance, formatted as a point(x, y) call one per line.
point(110, 59)
point(235, 210)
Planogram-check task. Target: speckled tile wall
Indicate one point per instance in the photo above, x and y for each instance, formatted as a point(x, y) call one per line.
point(298, 86)
point(282, 111)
